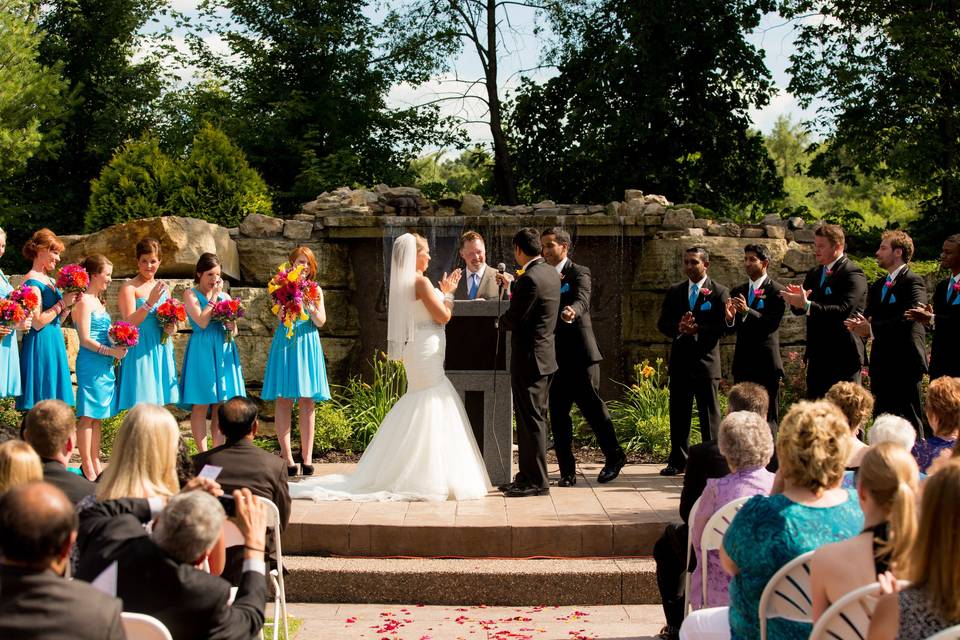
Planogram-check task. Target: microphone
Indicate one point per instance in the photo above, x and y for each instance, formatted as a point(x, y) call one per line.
point(500, 269)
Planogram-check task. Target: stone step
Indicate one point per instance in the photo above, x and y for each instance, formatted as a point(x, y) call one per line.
point(608, 581)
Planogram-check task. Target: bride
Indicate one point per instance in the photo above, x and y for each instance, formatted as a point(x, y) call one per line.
point(424, 448)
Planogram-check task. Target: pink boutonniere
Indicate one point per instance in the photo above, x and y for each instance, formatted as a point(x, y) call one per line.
point(887, 284)
point(956, 286)
point(706, 292)
point(758, 293)
point(829, 272)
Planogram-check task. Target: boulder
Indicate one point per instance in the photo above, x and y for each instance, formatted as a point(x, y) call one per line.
point(633, 207)
point(183, 241)
point(661, 200)
point(702, 223)
point(259, 260)
point(799, 259)
point(695, 232)
point(753, 232)
point(656, 209)
point(773, 218)
point(803, 235)
point(613, 208)
point(796, 222)
point(775, 231)
point(471, 205)
point(545, 204)
point(678, 219)
point(632, 194)
point(257, 225)
point(725, 229)
point(397, 192)
point(297, 229)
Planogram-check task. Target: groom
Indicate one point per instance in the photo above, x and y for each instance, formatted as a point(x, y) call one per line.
point(532, 319)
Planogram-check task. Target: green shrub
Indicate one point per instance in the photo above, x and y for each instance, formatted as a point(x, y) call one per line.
point(364, 404)
point(333, 431)
point(108, 433)
point(9, 419)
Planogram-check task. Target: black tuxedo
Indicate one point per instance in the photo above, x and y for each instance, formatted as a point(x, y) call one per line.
point(694, 364)
point(190, 602)
point(945, 353)
point(246, 465)
point(756, 358)
point(76, 487)
point(532, 319)
point(833, 354)
point(42, 605)
point(578, 378)
point(898, 357)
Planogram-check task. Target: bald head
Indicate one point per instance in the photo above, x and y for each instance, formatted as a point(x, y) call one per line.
point(237, 418)
point(37, 523)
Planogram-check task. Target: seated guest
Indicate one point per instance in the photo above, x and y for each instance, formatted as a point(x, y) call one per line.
point(930, 604)
point(856, 403)
point(50, 427)
point(19, 464)
point(704, 461)
point(243, 464)
point(37, 528)
point(143, 463)
point(191, 603)
point(746, 444)
point(886, 428)
point(943, 414)
point(769, 531)
point(887, 484)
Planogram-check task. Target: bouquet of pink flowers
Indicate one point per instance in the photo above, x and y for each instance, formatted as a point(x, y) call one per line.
point(11, 313)
point(291, 291)
point(26, 297)
point(171, 312)
point(73, 279)
point(228, 311)
point(123, 334)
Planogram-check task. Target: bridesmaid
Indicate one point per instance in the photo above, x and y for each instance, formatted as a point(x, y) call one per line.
point(211, 371)
point(149, 372)
point(96, 380)
point(9, 350)
point(296, 371)
point(44, 372)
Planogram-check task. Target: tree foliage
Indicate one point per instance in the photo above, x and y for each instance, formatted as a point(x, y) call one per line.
point(470, 172)
point(649, 95)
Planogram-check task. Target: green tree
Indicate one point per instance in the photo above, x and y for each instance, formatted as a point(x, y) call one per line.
point(650, 95)
point(137, 183)
point(29, 91)
point(787, 144)
point(470, 172)
point(216, 183)
point(888, 78)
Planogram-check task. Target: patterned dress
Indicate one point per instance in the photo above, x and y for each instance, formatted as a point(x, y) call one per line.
point(918, 620)
point(926, 451)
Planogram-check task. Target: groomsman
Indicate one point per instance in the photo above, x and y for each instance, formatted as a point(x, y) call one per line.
point(578, 378)
point(943, 316)
point(693, 317)
point(898, 357)
point(479, 281)
point(831, 293)
point(754, 312)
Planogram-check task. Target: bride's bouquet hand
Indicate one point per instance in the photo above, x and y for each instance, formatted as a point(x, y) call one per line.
point(448, 283)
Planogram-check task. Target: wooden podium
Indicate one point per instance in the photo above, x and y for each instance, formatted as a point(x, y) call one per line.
point(477, 363)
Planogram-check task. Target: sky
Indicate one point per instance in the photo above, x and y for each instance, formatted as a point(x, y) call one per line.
point(521, 52)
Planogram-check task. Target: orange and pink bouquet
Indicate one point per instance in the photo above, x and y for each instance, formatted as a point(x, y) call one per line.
point(228, 311)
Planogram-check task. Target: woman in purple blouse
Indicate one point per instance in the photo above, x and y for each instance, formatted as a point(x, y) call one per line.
point(747, 445)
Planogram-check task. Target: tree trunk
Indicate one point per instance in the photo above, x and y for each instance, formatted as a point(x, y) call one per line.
point(503, 179)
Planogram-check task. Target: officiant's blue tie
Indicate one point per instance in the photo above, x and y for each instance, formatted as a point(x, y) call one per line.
point(694, 292)
point(474, 285)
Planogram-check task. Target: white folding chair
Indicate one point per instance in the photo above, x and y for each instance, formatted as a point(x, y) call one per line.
point(686, 567)
point(138, 626)
point(849, 617)
point(787, 594)
point(276, 575)
point(712, 537)
point(950, 633)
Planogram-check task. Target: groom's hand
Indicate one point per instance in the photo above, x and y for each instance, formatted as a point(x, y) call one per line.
point(504, 279)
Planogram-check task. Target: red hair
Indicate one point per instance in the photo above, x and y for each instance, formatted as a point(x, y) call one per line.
point(41, 239)
point(311, 260)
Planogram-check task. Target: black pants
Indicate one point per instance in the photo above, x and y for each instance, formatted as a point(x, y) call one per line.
point(530, 398)
point(683, 391)
point(580, 385)
point(670, 553)
point(898, 392)
point(823, 375)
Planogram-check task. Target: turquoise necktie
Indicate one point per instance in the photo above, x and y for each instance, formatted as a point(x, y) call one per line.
point(474, 285)
point(694, 292)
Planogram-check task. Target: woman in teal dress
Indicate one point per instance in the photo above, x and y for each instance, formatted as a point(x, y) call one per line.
point(149, 372)
point(296, 371)
point(211, 372)
point(96, 380)
point(9, 349)
point(44, 371)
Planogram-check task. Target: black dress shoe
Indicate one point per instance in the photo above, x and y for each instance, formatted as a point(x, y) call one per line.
point(567, 481)
point(670, 470)
point(612, 468)
point(523, 491)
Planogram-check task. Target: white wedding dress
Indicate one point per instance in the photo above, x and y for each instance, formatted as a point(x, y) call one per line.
point(424, 448)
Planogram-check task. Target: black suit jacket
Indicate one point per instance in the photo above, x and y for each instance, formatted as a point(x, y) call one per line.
point(532, 320)
point(76, 487)
point(42, 605)
point(576, 343)
point(898, 344)
point(695, 357)
point(843, 294)
point(758, 332)
point(945, 353)
point(190, 602)
point(703, 462)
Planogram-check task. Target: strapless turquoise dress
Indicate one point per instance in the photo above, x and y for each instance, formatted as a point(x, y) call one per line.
point(96, 377)
point(211, 371)
point(295, 366)
point(44, 371)
point(9, 353)
point(148, 373)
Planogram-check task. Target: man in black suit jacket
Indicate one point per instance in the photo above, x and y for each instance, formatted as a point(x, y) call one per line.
point(38, 526)
point(532, 320)
point(50, 428)
point(754, 312)
point(830, 294)
point(693, 317)
point(943, 316)
point(158, 574)
point(245, 465)
point(898, 356)
point(578, 378)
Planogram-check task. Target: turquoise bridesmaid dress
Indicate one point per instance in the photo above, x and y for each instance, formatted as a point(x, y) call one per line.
point(148, 373)
point(211, 371)
point(96, 379)
point(44, 372)
point(9, 353)
point(295, 366)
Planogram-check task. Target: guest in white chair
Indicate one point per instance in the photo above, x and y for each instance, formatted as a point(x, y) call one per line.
point(887, 487)
point(856, 403)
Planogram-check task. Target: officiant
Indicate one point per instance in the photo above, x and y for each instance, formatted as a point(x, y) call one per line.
point(479, 281)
